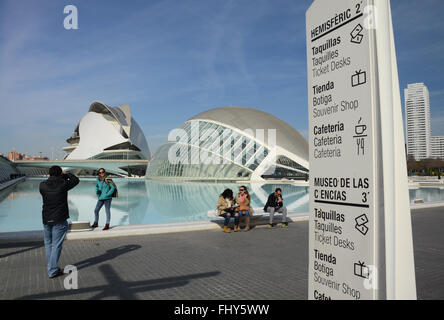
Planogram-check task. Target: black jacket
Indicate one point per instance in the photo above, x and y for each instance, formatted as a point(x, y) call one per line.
point(272, 202)
point(54, 192)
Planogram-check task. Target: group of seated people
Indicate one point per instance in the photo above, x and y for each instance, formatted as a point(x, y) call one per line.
point(239, 206)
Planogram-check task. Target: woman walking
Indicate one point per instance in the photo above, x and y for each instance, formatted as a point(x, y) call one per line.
point(104, 190)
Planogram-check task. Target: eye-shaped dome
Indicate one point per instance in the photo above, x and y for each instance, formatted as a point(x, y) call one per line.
point(231, 143)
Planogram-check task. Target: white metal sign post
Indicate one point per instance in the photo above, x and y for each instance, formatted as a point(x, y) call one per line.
point(360, 229)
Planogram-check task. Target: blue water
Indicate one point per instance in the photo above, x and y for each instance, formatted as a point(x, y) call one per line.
point(428, 194)
point(149, 202)
point(139, 202)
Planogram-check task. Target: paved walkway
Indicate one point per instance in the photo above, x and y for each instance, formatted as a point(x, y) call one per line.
point(261, 264)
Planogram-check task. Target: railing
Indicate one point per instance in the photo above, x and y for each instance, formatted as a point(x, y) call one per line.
point(425, 178)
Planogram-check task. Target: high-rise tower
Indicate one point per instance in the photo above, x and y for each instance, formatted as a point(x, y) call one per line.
point(417, 114)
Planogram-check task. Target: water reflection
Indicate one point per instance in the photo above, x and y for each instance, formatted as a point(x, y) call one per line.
point(129, 207)
point(149, 201)
point(21, 205)
point(139, 202)
point(427, 194)
point(185, 201)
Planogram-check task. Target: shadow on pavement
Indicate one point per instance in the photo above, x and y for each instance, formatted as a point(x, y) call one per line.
point(30, 245)
point(109, 255)
point(120, 289)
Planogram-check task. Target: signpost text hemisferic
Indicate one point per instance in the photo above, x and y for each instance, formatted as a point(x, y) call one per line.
point(360, 243)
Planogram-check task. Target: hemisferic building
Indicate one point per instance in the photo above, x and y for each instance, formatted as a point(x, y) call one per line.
point(231, 143)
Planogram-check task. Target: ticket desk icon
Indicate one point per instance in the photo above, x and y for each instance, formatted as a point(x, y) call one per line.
point(356, 36)
point(361, 222)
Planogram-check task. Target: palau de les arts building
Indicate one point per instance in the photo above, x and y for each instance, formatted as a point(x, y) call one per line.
point(238, 142)
point(108, 133)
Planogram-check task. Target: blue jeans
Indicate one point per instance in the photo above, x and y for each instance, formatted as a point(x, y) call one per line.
point(53, 237)
point(99, 206)
point(227, 218)
point(244, 213)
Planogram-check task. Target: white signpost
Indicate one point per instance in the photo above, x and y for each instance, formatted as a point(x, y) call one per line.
point(360, 226)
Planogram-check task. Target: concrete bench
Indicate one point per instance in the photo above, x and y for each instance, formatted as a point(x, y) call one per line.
point(75, 226)
point(254, 217)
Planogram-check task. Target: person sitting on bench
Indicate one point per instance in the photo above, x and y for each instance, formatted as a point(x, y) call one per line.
point(275, 203)
point(243, 200)
point(225, 208)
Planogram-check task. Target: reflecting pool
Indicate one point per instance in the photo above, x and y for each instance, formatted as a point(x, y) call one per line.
point(428, 194)
point(150, 202)
point(139, 202)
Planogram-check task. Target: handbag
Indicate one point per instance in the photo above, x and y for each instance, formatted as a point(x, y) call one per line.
point(229, 210)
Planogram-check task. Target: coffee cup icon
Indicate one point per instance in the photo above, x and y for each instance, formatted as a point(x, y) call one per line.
point(360, 129)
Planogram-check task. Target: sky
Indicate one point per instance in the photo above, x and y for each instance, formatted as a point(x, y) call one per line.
point(171, 59)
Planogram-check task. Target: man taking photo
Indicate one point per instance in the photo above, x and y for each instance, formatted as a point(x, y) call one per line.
point(55, 214)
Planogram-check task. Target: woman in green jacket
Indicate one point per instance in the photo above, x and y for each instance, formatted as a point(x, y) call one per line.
point(104, 192)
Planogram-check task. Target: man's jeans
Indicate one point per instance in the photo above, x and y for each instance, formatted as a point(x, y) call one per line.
point(99, 205)
point(282, 210)
point(54, 236)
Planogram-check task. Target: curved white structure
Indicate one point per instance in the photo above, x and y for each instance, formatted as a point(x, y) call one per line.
point(231, 143)
point(107, 133)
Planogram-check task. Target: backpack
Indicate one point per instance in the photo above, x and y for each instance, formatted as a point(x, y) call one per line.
point(115, 192)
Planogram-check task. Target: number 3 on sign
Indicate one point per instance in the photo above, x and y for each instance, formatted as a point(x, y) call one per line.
point(364, 197)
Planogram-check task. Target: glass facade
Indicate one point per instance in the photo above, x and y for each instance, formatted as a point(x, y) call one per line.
point(281, 172)
point(6, 169)
point(206, 150)
point(123, 155)
point(284, 162)
point(210, 151)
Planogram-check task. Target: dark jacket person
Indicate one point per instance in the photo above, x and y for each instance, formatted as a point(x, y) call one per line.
point(275, 203)
point(55, 213)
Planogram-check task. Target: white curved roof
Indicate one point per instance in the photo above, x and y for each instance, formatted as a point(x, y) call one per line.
point(122, 114)
point(97, 133)
point(248, 118)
